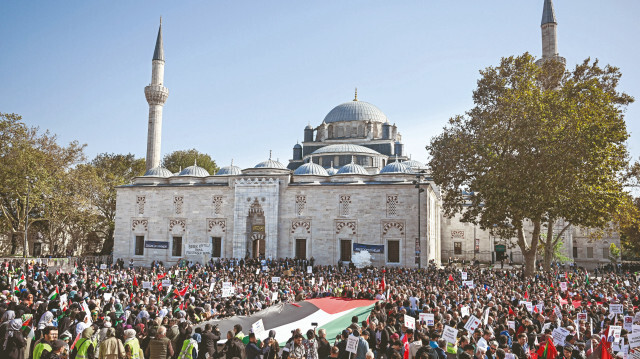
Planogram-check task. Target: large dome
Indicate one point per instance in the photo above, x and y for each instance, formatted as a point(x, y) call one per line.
point(344, 148)
point(310, 169)
point(355, 111)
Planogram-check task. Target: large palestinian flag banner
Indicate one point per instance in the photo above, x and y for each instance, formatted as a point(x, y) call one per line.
point(332, 314)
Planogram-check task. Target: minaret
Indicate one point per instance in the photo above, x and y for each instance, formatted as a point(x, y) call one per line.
point(156, 95)
point(550, 33)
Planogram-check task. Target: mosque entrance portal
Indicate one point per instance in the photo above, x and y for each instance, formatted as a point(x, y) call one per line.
point(256, 244)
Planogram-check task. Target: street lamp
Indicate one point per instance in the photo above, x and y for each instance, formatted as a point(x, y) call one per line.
point(30, 182)
point(417, 184)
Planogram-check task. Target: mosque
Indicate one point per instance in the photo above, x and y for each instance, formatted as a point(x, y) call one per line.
point(349, 187)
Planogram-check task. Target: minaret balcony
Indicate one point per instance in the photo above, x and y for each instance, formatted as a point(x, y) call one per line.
point(156, 94)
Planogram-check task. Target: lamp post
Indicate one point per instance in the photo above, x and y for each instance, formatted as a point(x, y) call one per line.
point(417, 184)
point(30, 182)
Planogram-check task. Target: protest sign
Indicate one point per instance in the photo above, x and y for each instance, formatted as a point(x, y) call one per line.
point(628, 323)
point(472, 324)
point(103, 266)
point(634, 340)
point(409, 321)
point(195, 249)
point(352, 344)
point(468, 283)
point(166, 282)
point(511, 324)
point(582, 316)
point(563, 286)
point(146, 285)
point(427, 318)
point(464, 311)
point(464, 275)
point(614, 333)
point(258, 328)
point(615, 308)
point(275, 279)
point(450, 334)
point(309, 269)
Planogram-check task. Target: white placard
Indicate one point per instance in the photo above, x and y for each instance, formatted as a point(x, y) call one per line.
point(582, 316)
point(539, 307)
point(227, 284)
point(258, 328)
point(275, 279)
point(626, 283)
point(103, 266)
point(485, 316)
point(628, 323)
point(450, 334)
point(468, 283)
point(472, 324)
point(197, 249)
point(320, 281)
point(464, 311)
point(257, 270)
point(352, 344)
point(563, 286)
point(146, 284)
point(558, 337)
point(615, 308)
point(614, 331)
point(274, 296)
point(227, 292)
point(409, 321)
point(265, 268)
point(509, 356)
point(464, 275)
point(511, 324)
point(213, 284)
point(309, 269)
point(529, 306)
point(107, 296)
point(166, 282)
point(635, 328)
point(556, 310)
point(634, 340)
point(427, 318)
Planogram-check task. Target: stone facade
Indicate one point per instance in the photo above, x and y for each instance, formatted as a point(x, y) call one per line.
point(319, 215)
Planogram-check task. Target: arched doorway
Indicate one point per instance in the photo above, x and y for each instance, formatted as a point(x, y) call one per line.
point(256, 244)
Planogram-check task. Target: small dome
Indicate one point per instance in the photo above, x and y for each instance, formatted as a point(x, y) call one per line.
point(270, 164)
point(332, 171)
point(310, 169)
point(194, 171)
point(355, 111)
point(229, 171)
point(308, 127)
point(344, 148)
point(158, 172)
point(297, 145)
point(396, 167)
point(413, 164)
point(352, 169)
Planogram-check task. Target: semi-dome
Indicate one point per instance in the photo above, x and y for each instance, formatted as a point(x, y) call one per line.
point(195, 171)
point(396, 167)
point(352, 169)
point(344, 148)
point(158, 172)
point(310, 169)
point(270, 164)
point(229, 171)
point(355, 111)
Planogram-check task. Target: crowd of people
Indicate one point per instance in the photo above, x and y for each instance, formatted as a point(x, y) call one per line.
point(450, 312)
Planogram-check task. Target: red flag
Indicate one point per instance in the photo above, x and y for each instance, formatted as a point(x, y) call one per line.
point(383, 284)
point(450, 278)
point(526, 295)
point(135, 281)
point(605, 348)
point(182, 306)
point(511, 311)
point(160, 286)
point(182, 292)
point(160, 276)
point(547, 351)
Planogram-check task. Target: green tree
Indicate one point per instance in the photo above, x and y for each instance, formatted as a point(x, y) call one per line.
point(614, 253)
point(177, 160)
point(540, 144)
point(32, 163)
point(100, 177)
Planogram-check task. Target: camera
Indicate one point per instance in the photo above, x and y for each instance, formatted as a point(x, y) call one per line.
point(314, 324)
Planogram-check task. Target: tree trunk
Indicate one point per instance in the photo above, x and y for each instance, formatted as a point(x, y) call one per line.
point(529, 250)
point(548, 246)
point(14, 243)
point(529, 263)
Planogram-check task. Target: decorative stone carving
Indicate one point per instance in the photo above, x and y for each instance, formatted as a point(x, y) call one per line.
point(350, 224)
point(256, 181)
point(344, 205)
point(301, 202)
point(457, 234)
point(217, 204)
point(392, 205)
point(139, 225)
point(219, 222)
point(257, 236)
point(140, 201)
point(177, 204)
point(386, 226)
point(182, 223)
point(304, 224)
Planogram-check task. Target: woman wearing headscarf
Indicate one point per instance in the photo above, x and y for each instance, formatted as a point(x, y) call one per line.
point(46, 320)
point(14, 343)
point(7, 317)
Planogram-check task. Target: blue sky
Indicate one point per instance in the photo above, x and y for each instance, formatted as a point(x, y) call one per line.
point(246, 77)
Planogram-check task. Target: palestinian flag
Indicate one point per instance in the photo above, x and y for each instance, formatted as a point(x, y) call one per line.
point(21, 281)
point(26, 320)
point(135, 281)
point(331, 314)
point(102, 286)
point(548, 351)
point(53, 294)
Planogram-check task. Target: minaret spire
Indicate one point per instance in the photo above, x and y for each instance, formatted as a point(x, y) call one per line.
point(156, 95)
point(549, 26)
